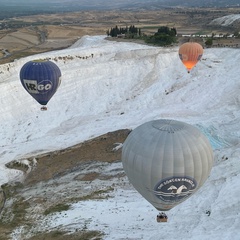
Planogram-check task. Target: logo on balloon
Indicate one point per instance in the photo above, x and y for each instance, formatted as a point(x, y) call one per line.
point(183, 57)
point(175, 189)
point(199, 57)
point(34, 87)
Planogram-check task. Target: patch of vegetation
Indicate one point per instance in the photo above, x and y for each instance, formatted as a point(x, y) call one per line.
point(66, 206)
point(209, 42)
point(11, 189)
point(163, 37)
point(94, 195)
point(129, 32)
point(19, 208)
point(57, 208)
point(14, 216)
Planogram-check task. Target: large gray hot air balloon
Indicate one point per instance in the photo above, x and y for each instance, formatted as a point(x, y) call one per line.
point(167, 161)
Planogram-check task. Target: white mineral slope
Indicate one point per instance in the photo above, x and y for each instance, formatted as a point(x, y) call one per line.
point(227, 20)
point(108, 86)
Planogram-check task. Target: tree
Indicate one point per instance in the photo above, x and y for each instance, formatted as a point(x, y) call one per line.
point(139, 32)
point(209, 42)
point(164, 36)
point(236, 34)
point(131, 31)
point(174, 31)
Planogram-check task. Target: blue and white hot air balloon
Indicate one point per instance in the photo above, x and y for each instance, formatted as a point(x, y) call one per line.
point(41, 79)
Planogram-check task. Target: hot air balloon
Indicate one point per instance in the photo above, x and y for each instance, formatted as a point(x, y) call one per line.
point(41, 79)
point(190, 53)
point(166, 161)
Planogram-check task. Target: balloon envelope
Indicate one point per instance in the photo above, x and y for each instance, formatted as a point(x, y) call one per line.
point(190, 53)
point(41, 79)
point(166, 161)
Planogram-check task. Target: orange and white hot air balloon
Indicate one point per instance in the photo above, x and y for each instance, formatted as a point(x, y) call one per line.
point(190, 53)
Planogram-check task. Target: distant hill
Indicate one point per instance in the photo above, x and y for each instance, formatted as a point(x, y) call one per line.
point(228, 20)
point(197, 3)
point(22, 7)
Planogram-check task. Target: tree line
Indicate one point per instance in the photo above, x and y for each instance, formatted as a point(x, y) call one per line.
point(132, 30)
point(164, 35)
